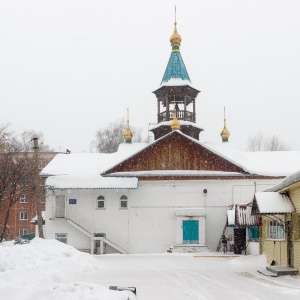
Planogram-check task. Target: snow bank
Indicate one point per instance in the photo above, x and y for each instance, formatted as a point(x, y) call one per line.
point(43, 269)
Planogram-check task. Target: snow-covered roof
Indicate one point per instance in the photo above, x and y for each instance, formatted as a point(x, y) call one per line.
point(90, 182)
point(277, 163)
point(289, 180)
point(89, 163)
point(168, 123)
point(273, 203)
point(176, 82)
point(267, 163)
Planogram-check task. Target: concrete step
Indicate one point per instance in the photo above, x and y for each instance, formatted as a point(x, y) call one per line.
point(267, 273)
point(281, 270)
point(188, 248)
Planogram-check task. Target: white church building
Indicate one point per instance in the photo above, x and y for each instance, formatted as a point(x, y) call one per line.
point(172, 194)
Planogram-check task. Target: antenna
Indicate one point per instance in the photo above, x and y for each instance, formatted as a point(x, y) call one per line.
point(175, 16)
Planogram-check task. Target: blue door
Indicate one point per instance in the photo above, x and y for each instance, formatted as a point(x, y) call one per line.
point(190, 232)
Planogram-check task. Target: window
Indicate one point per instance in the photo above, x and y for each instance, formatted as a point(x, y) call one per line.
point(23, 215)
point(275, 230)
point(123, 202)
point(23, 231)
point(62, 237)
point(23, 198)
point(253, 233)
point(101, 202)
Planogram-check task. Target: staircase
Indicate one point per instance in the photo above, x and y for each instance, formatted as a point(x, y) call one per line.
point(79, 227)
point(101, 239)
point(220, 241)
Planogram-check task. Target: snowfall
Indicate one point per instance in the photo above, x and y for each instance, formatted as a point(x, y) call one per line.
point(48, 269)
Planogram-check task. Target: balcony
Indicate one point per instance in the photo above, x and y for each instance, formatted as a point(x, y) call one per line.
point(183, 115)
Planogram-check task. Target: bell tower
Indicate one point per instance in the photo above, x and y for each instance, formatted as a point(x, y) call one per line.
point(176, 95)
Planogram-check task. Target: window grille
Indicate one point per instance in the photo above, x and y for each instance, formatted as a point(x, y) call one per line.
point(123, 202)
point(275, 230)
point(101, 202)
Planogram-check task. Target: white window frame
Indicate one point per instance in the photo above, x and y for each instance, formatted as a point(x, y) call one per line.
point(100, 199)
point(275, 230)
point(123, 201)
point(62, 237)
point(23, 231)
point(23, 198)
point(23, 215)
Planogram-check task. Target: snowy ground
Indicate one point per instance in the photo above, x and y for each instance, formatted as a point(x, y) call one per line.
point(51, 270)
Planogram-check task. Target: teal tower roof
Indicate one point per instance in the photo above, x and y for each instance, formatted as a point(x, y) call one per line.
point(176, 73)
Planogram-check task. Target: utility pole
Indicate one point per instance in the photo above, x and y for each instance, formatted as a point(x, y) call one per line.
point(37, 187)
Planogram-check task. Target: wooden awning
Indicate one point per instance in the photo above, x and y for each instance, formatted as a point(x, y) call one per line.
point(271, 203)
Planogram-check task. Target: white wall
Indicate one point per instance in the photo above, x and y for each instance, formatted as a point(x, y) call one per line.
point(149, 224)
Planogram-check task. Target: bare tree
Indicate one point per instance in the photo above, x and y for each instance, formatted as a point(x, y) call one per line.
point(28, 135)
point(109, 138)
point(260, 142)
point(16, 173)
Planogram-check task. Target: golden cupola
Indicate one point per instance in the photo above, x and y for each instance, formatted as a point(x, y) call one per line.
point(128, 134)
point(175, 38)
point(175, 125)
point(225, 132)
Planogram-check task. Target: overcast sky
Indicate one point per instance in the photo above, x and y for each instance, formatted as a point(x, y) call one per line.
point(69, 68)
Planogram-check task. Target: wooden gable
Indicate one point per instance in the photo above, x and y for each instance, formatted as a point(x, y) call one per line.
point(175, 151)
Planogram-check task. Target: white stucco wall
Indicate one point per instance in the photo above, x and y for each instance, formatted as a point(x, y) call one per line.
point(150, 223)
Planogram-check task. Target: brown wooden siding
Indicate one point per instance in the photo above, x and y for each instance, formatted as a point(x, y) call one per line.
point(204, 177)
point(176, 152)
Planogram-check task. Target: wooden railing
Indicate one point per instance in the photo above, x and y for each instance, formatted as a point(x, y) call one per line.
point(181, 115)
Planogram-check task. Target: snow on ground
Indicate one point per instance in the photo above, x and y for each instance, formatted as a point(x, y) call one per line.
point(48, 269)
point(43, 269)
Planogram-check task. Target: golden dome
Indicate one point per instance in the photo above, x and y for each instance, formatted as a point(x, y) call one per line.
point(175, 125)
point(175, 38)
point(127, 133)
point(225, 132)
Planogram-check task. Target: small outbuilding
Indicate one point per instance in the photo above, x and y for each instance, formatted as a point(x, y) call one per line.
point(279, 207)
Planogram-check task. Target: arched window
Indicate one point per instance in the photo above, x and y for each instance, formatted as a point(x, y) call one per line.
point(100, 202)
point(123, 202)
